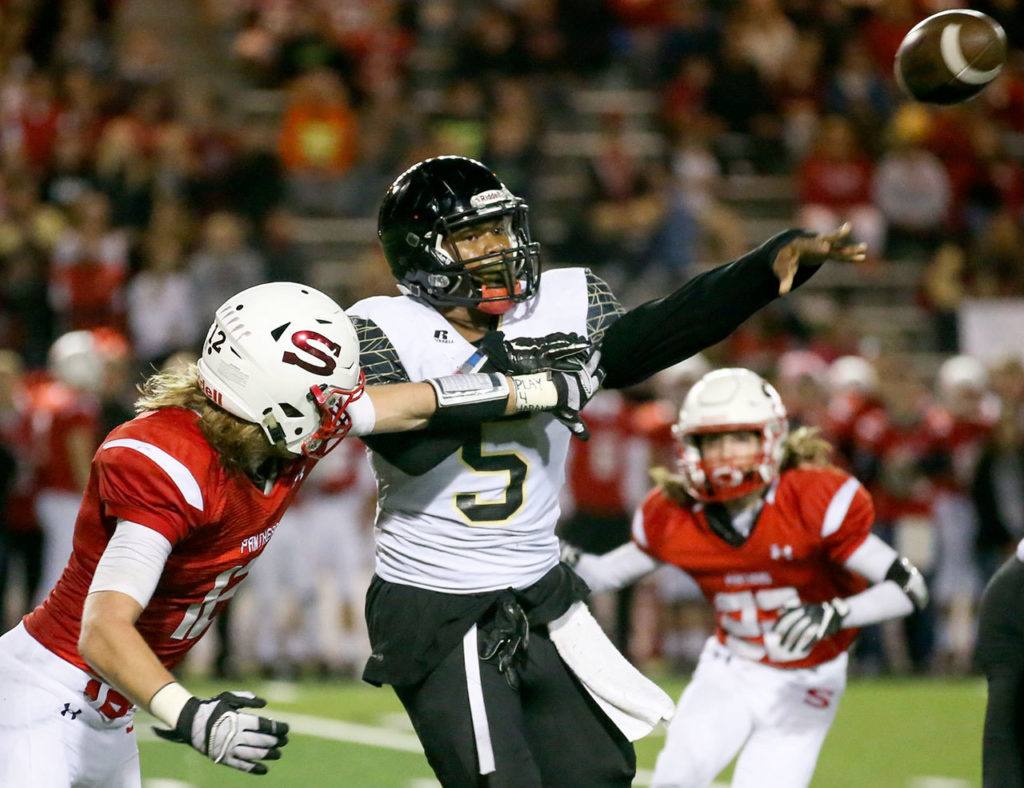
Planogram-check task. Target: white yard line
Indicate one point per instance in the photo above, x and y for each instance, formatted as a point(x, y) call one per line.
point(337, 730)
point(391, 739)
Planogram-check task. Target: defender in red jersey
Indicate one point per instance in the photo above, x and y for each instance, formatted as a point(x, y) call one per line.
point(780, 544)
point(178, 503)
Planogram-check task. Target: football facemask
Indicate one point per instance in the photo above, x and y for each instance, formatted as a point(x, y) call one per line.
point(729, 478)
point(730, 400)
point(492, 282)
point(335, 422)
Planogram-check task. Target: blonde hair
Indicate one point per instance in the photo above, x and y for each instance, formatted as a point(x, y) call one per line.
point(804, 448)
point(242, 445)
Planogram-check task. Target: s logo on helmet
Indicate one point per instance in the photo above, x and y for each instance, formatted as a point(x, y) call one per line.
point(303, 341)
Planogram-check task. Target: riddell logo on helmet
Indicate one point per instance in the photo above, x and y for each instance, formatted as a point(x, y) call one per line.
point(211, 392)
point(489, 196)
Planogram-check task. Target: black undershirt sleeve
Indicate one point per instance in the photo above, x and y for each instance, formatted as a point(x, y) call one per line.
point(415, 453)
point(701, 313)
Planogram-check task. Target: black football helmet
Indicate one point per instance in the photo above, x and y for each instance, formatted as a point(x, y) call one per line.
point(438, 197)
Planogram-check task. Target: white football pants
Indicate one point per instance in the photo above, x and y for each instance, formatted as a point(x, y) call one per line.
point(50, 735)
point(57, 511)
point(776, 719)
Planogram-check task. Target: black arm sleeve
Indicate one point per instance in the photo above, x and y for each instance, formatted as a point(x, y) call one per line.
point(415, 453)
point(699, 314)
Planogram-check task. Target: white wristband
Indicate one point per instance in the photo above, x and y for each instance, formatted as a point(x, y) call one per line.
point(476, 388)
point(167, 703)
point(535, 392)
point(363, 415)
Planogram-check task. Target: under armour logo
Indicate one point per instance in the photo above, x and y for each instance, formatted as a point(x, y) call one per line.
point(782, 551)
point(68, 710)
point(441, 335)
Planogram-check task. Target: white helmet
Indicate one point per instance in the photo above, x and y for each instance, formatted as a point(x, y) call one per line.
point(852, 373)
point(795, 365)
point(730, 400)
point(76, 360)
point(961, 372)
point(284, 356)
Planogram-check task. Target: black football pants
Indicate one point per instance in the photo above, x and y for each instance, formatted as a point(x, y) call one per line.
point(549, 732)
point(1000, 654)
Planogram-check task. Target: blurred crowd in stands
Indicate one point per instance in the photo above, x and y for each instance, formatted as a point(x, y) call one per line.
point(133, 201)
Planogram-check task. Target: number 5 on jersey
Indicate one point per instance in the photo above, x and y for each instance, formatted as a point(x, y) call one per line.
point(481, 462)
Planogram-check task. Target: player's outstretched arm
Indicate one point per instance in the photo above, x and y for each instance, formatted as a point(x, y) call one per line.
point(617, 569)
point(460, 400)
point(712, 305)
point(109, 641)
point(897, 590)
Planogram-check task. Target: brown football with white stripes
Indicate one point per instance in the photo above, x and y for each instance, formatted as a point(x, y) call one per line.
point(950, 56)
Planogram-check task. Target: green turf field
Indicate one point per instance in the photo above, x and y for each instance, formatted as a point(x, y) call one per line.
point(889, 734)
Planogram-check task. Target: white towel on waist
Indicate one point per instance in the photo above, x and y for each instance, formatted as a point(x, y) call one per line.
point(633, 702)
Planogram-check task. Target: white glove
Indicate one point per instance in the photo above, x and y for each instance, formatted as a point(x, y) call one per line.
point(802, 626)
point(216, 728)
point(563, 393)
point(569, 553)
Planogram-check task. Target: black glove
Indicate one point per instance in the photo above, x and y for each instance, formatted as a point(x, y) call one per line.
point(559, 351)
point(801, 627)
point(506, 639)
point(216, 728)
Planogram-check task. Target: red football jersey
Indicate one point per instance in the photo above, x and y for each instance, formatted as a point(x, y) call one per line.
point(810, 524)
point(159, 471)
point(962, 441)
point(607, 474)
point(56, 411)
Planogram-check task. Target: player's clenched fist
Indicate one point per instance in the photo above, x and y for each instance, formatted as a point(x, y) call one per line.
point(219, 730)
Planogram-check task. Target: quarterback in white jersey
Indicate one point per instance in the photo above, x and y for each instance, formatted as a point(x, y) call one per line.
point(465, 544)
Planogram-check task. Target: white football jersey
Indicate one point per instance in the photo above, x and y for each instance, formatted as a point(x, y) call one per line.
point(483, 518)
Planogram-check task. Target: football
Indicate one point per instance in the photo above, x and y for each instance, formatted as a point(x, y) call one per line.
point(950, 56)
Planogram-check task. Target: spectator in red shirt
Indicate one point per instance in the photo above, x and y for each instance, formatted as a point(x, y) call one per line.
point(835, 185)
point(90, 264)
point(39, 120)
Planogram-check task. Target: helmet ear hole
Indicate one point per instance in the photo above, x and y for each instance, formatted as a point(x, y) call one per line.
point(290, 410)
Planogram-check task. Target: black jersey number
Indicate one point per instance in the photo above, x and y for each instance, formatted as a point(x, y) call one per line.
point(510, 463)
